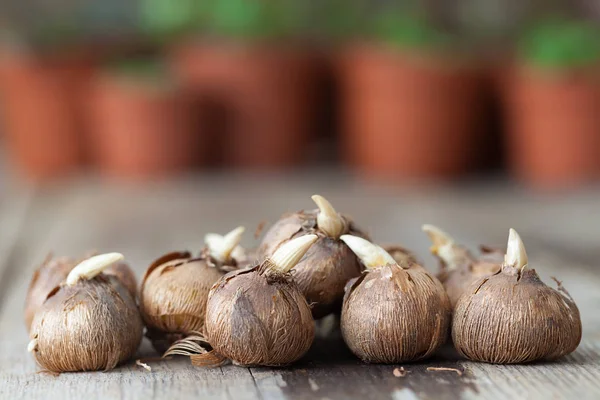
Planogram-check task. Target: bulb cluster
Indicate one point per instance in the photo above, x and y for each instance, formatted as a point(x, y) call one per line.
point(258, 307)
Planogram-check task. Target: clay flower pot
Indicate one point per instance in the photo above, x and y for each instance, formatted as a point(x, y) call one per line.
point(552, 105)
point(141, 129)
point(42, 112)
point(553, 121)
point(266, 96)
point(408, 117)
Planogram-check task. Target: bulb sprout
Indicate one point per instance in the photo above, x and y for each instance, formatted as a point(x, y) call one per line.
point(32, 346)
point(88, 269)
point(213, 241)
point(221, 247)
point(443, 244)
point(370, 254)
point(516, 256)
point(328, 220)
point(290, 253)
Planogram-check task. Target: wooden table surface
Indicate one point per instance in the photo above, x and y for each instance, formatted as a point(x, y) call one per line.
point(561, 233)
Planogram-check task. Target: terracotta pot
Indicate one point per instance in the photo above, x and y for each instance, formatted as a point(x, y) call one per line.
point(265, 94)
point(42, 112)
point(405, 117)
point(553, 137)
point(141, 130)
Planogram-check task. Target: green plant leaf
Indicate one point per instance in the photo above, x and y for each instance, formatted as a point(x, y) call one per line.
point(255, 18)
point(407, 31)
point(561, 44)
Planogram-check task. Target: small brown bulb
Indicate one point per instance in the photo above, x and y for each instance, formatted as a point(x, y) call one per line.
point(328, 264)
point(513, 317)
point(89, 323)
point(175, 289)
point(459, 267)
point(258, 316)
point(54, 271)
point(50, 274)
point(400, 254)
point(393, 313)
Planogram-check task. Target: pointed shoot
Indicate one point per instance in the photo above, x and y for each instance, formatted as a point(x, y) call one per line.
point(437, 236)
point(213, 240)
point(88, 269)
point(444, 247)
point(370, 254)
point(221, 247)
point(515, 251)
point(32, 346)
point(290, 253)
point(328, 220)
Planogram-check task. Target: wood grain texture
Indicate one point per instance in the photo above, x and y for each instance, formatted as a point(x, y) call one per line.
point(144, 222)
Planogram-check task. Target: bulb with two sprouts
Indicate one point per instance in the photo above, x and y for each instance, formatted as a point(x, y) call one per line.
point(513, 317)
point(323, 272)
point(90, 322)
point(396, 311)
point(175, 288)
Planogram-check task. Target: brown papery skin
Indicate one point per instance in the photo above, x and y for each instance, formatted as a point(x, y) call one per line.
point(173, 297)
point(393, 314)
point(125, 274)
point(325, 268)
point(92, 325)
point(456, 281)
point(48, 276)
point(511, 318)
point(55, 271)
point(255, 317)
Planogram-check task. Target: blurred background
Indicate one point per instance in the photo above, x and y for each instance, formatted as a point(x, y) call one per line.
point(140, 125)
point(395, 91)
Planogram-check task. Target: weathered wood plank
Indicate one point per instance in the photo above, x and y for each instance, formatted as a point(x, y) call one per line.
point(14, 208)
point(145, 222)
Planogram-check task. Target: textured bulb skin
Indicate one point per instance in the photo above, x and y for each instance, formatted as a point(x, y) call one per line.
point(256, 318)
point(125, 275)
point(460, 277)
point(48, 276)
point(173, 297)
point(456, 282)
point(515, 318)
point(324, 270)
point(53, 272)
point(92, 325)
point(393, 315)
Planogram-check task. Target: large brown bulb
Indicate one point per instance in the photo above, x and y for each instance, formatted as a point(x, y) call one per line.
point(173, 297)
point(323, 272)
point(259, 316)
point(459, 267)
point(54, 271)
point(92, 324)
point(513, 317)
point(393, 313)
